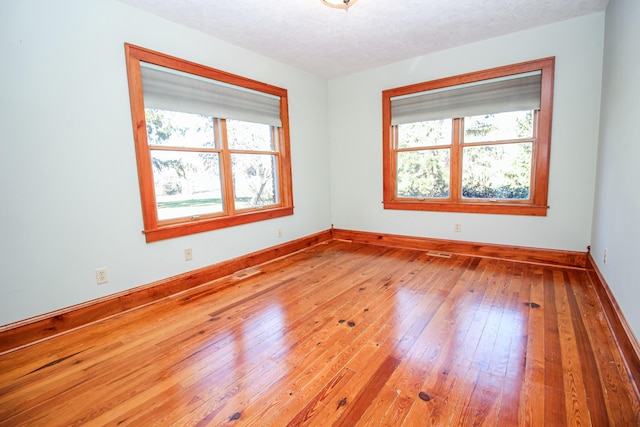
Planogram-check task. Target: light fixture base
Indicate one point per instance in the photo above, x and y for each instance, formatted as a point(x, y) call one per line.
point(339, 4)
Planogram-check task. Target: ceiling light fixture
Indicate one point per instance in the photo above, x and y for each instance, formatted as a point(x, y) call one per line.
point(339, 4)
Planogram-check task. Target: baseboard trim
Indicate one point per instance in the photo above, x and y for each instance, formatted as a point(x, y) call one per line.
point(515, 253)
point(29, 331)
point(622, 333)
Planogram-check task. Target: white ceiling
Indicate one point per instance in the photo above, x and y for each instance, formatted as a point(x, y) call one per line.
point(332, 42)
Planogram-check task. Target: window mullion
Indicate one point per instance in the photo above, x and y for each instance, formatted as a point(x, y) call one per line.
point(257, 152)
point(536, 174)
point(185, 149)
point(275, 145)
point(456, 160)
point(489, 171)
point(220, 126)
point(498, 142)
point(392, 173)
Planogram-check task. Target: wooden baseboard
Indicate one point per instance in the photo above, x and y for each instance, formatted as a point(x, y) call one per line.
point(515, 253)
point(32, 330)
point(25, 332)
point(622, 333)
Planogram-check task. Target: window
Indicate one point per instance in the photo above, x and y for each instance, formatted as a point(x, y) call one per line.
point(477, 142)
point(212, 148)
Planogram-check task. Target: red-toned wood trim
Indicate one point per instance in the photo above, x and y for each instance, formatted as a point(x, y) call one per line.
point(455, 168)
point(164, 60)
point(154, 229)
point(225, 171)
point(543, 150)
point(389, 139)
point(540, 163)
point(515, 253)
point(29, 331)
point(469, 207)
point(183, 229)
point(474, 76)
point(284, 148)
point(143, 155)
point(622, 333)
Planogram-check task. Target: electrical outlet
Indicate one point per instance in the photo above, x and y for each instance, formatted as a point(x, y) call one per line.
point(102, 276)
point(188, 254)
point(279, 231)
point(457, 228)
point(605, 256)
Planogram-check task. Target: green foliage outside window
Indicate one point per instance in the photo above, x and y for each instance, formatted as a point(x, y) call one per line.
point(496, 157)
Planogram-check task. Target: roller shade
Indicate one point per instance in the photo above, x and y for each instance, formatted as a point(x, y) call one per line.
point(173, 90)
point(513, 93)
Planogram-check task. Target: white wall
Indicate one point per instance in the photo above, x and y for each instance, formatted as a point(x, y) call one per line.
point(616, 225)
point(356, 139)
point(68, 181)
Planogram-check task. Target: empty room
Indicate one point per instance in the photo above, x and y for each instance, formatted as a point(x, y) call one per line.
point(319, 213)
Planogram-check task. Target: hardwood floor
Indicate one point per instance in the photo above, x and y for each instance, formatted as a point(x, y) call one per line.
point(339, 334)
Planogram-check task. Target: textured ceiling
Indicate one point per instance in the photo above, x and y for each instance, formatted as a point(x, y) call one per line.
point(332, 42)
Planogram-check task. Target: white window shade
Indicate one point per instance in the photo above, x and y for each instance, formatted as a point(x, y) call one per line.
point(172, 90)
point(514, 93)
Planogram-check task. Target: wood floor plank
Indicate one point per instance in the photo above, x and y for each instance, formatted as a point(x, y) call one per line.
point(477, 403)
point(514, 325)
point(339, 333)
point(377, 280)
point(309, 346)
point(590, 373)
point(373, 358)
point(378, 326)
point(555, 411)
point(404, 387)
point(532, 407)
point(448, 372)
point(609, 362)
point(415, 317)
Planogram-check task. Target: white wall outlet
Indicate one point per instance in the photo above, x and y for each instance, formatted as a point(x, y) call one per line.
point(102, 276)
point(279, 231)
point(188, 254)
point(605, 256)
point(457, 228)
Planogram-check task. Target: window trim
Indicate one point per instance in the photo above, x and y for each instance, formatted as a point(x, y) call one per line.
point(540, 163)
point(154, 229)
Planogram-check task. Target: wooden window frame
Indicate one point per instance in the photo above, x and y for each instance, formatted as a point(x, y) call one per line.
point(155, 229)
point(535, 206)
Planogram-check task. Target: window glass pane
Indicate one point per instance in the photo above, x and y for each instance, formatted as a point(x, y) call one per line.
point(178, 129)
point(497, 171)
point(255, 180)
point(424, 134)
point(423, 174)
point(495, 127)
point(249, 136)
point(186, 184)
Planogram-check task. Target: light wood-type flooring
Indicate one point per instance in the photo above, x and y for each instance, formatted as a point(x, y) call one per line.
point(340, 334)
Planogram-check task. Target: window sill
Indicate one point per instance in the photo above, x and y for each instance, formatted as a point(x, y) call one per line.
point(169, 231)
point(470, 207)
